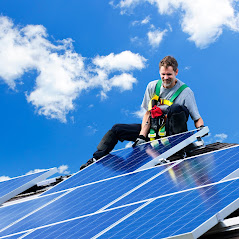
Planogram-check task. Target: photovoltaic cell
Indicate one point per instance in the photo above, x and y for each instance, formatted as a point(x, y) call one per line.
point(14, 186)
point(85, 227)
point(12, 213)
point(129, 159)
point(189, 173)
point(15, 236)
point(184, 198)
point(83, 201)
point(180, 214)
point(174, 215)
point(155, 182)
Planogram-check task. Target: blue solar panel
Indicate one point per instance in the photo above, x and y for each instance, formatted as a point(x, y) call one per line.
point(15, 236)
point(130, 159)
point(189, 173)
point(14, 186)
point(13, 212)
point(174, 199)
point(84, 200)
point(179, 214)
point(85, 227)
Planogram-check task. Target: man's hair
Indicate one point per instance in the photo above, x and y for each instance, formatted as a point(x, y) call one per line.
point(169, 61)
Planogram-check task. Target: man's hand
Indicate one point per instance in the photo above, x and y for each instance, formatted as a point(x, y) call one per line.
point(198, 122)
point(140, 140)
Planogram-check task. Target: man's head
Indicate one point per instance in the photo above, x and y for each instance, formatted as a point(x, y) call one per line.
point(168, 69)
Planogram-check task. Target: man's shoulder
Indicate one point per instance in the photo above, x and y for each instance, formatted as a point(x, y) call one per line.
point(180, 83)
point(152, 84)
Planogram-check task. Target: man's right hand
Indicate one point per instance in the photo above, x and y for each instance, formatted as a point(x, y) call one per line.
point(140, 140)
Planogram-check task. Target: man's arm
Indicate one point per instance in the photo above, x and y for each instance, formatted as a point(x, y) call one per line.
point(145, 126)
point(198, 122)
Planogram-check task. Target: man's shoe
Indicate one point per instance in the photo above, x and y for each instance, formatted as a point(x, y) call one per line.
point(90, 161)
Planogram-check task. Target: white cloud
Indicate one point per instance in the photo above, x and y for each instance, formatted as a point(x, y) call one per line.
point(155, 37)
point(124, 81)
point(140, 113)
point(63, 169)
point(169, 27)
point(146, 20)
point(220, 137)
point(91, 130)
point(62, 73)
point(203, 20)
point(125, 61)
point(216, 138)
point(128, 3)
point(35, 171)
point(4, 178)
point(142, 22)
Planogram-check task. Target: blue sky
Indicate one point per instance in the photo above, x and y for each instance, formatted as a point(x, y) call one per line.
point(71, 69)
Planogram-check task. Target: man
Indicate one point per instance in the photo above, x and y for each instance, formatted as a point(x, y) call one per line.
point(176, 112)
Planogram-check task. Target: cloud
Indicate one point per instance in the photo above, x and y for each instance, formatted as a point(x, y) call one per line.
point(140, 113)
point(91, 130)
point(220, 137)
point(4, 178)
point(142, 22)
point(155, 37)
point(203, 20)
point(62, 73)
point(63, 169)
point(35, 171)
point(216, 138)
point(124, 61)
point(187, 68)
point(124, 81)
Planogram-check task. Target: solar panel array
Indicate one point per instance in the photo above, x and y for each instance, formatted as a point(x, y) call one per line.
point(116, 200)
point(14, 186)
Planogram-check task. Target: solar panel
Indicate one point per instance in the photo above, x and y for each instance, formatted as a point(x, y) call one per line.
point(187, 214)
point(189, 173)
point(182, 199)
point(14, 186)
point(182, 214)
point(15, 236)
point(13, 212)
point(130, 159)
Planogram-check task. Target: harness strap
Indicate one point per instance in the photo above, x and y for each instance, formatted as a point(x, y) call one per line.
point(162, 131)
point(158, 86)
point(165, 102)
point(177, 93)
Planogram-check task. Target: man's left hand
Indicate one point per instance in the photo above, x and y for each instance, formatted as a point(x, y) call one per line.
point(140, 140)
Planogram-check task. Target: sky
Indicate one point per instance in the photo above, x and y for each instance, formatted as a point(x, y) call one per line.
point(70, 70)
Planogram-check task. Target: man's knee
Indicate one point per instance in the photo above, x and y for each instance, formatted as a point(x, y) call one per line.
point(176, 109)
point(108, 142)
point(177, 119)
point(116, 128)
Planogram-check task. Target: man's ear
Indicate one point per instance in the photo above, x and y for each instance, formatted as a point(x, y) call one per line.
point(176, 72)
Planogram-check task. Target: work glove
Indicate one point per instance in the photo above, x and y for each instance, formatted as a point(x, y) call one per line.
point(156, 112)
point(140, 140)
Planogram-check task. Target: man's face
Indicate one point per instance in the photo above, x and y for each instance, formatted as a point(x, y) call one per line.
point(168, 76)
